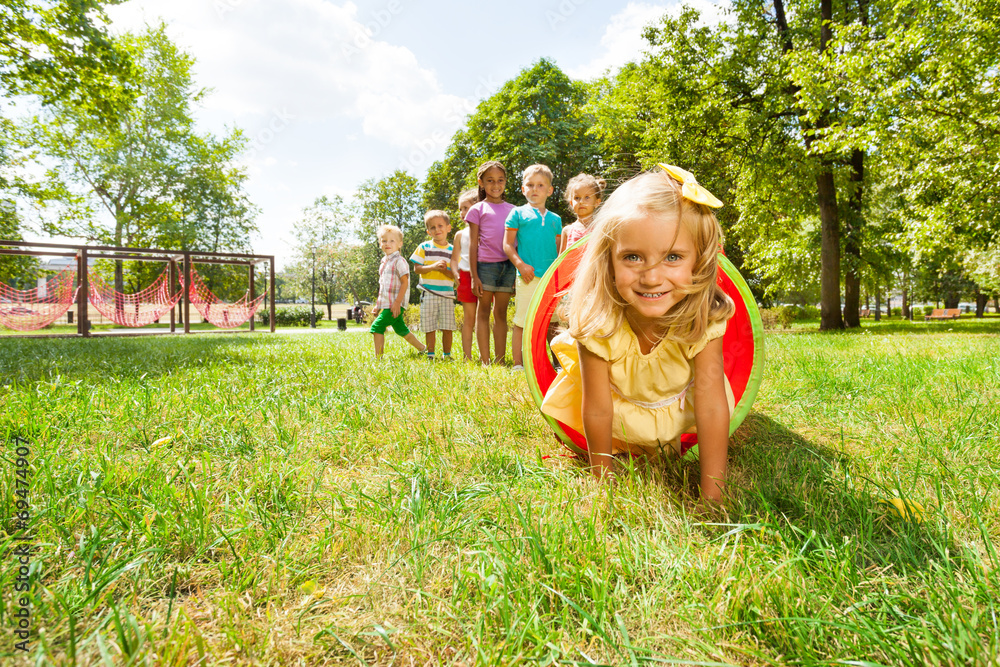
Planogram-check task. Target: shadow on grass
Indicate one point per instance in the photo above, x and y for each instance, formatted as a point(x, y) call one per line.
point(817, 502)
point(26, 360)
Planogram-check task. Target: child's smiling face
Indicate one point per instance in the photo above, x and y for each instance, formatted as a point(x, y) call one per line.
point(651, 259)
point(437, 229)
point(493, 182)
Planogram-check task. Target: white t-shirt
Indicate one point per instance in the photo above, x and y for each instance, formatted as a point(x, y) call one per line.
point(462, 238)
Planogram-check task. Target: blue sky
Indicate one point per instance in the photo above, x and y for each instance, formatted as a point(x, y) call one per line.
point(331, 94)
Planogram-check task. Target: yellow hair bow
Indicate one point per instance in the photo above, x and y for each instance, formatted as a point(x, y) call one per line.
point(690, 189)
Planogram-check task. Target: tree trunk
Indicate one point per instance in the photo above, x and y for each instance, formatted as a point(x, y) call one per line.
point(830, 317)
point(981, 301)
point(906, 297)
point(878, 305)
point(996, 303)
point(852, 242)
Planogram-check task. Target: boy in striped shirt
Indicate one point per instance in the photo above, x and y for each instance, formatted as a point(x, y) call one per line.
point(432, 263)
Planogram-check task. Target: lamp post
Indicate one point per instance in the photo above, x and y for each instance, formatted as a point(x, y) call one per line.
point(312, 318)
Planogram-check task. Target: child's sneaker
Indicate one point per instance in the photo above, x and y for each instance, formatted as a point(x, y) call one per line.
point(516, 368)
point(447, 356)
point(430, 356)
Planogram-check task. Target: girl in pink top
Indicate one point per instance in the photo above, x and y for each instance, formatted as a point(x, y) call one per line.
point(583, 194)
point(492, 273)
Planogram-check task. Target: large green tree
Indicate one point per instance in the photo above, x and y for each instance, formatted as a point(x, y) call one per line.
point(536, 117)
point(924, 76)
point(157, 179)
point(54, 52)
point(725, 100)
point(60, 51)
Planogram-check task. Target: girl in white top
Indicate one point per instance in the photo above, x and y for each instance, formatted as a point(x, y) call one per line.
point(583, 194)
point(460, 267)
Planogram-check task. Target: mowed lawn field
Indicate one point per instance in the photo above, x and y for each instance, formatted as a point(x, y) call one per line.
point(288, 500)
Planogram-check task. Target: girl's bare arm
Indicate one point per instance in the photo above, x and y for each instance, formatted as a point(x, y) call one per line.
point(477, 286)
point(456, 255)
point(597, 411)
point(711, 411)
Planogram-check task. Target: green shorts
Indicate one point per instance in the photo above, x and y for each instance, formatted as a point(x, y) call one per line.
point(386, 320)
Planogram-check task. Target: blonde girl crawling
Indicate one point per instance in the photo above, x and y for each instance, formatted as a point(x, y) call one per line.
point(642, 359)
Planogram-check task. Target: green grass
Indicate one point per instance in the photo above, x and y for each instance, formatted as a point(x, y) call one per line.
point(279, 499)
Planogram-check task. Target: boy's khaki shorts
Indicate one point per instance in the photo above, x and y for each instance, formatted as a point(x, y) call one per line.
point(523, 292)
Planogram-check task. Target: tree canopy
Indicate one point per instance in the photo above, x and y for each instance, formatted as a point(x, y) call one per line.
point(151, 173)
point(537, 117)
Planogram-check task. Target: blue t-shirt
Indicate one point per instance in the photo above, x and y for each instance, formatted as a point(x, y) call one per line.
point(537, 236)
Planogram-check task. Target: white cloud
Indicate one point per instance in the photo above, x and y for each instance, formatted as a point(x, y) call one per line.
point(324, 100)
point(622, 41)
point(313, 59)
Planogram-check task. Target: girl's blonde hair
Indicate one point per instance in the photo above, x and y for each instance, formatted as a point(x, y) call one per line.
point(582, 180)
point(597, 309)
point(485, 167)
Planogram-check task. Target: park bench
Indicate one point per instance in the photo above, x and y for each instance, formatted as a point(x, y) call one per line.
point(944, 314)
point(866, 312)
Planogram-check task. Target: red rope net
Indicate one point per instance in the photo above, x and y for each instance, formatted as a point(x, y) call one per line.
point(221, 313)
point(133, 310)
point(28, 310)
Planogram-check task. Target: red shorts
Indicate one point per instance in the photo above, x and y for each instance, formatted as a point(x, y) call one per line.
point(465, 294)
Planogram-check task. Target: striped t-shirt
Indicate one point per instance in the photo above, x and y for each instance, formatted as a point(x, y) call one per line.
point(435, 282)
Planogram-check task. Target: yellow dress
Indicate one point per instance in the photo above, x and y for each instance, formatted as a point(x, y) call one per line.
point(653, 404)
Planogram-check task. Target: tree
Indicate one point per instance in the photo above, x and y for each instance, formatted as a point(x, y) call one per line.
point(924, 75)
point(56, 52)
point(537, 117)
point(729, 99)
point(712, 99)
point(61, 52)
point(322, 251)
point(151, 172)
point(393, 200)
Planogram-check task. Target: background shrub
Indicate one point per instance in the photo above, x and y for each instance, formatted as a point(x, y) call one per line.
point(296, 316)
